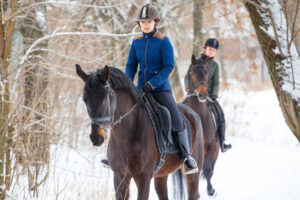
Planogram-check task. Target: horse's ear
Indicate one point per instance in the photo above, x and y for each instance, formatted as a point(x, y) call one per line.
point(193, 59)
point(81, 73)
point(106, 73)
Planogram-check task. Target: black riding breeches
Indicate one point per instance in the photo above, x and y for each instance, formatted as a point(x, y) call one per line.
point(166, 99)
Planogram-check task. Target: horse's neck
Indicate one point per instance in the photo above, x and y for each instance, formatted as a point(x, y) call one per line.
point(124, 103)
point(134, 124)
point(201, 107)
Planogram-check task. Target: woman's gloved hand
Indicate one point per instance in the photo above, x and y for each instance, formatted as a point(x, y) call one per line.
point(147, 87)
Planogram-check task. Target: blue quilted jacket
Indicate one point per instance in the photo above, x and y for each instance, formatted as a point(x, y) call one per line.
point(154, 54)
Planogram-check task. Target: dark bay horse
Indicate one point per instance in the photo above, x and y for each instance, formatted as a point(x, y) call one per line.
point(114, 102)
point(196, 99)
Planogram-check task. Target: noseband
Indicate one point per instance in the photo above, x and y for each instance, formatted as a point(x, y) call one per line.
point(195, 94)
point(99, 120)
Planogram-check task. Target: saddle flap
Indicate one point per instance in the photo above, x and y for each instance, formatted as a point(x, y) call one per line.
point(214, 112)
point(162, 115)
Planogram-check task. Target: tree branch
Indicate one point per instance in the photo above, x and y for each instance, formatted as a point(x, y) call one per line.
point(66, 3)
point(47, 37)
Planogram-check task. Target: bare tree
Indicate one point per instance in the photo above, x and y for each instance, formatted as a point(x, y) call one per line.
point(198, 26)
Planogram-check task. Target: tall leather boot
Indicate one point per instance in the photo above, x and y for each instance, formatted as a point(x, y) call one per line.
point(183, 143)
point(221, 132)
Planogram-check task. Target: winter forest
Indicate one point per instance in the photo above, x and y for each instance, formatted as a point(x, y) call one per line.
point(45, 149)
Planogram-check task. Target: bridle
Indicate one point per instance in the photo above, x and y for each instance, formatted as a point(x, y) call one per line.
point(108, 121)
point(194, 93)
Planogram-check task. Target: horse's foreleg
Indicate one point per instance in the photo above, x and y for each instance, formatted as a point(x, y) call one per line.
point(192, 181)
point(160, 184)
point(143, 185)
point(121, 184)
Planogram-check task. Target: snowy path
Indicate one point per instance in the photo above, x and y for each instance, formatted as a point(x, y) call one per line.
point(264, 163)
point(253, 170)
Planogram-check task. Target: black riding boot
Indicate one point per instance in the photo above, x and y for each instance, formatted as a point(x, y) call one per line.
point(221, 132)
point(189, 162)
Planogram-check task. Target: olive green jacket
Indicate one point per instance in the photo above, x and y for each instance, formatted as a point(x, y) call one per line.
point(213, 79)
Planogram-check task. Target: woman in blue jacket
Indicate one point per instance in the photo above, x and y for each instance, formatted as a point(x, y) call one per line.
point(153, 53)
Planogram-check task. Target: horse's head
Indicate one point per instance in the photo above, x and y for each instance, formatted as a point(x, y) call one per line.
point(100, 101)
point(198, 77)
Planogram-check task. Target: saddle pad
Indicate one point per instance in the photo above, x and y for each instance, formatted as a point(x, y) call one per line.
point(159, 135)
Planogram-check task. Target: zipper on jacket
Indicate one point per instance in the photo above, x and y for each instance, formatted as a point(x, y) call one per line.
point(145, 59)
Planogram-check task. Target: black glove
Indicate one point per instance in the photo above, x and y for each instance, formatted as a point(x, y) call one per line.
point(213, 97)
point(147, 87)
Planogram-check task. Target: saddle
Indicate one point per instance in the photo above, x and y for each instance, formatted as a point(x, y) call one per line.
point(160, 118)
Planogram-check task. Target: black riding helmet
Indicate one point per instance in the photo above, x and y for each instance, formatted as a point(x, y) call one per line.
point(148, 13)
point(212, 42)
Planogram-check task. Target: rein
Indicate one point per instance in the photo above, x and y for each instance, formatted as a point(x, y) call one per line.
point(123, 116)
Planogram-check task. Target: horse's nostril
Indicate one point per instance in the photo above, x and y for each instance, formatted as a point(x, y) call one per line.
point(100, 140)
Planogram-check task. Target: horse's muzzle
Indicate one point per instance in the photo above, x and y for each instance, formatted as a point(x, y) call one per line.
point(201, 89)
point(97, 136)
point(96, 140)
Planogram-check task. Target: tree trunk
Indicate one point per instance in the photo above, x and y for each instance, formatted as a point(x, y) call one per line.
point(198, 25)
point(6, 34)
point(278, 59)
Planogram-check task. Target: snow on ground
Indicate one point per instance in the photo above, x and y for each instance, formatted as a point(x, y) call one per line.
point(263, 164)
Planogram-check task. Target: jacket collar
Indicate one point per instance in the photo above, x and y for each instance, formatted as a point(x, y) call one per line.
point(150, 34)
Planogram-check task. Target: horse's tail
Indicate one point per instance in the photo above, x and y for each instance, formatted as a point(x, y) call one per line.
point(178, 185)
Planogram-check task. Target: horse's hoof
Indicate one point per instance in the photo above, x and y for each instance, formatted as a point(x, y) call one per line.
point(212, 193)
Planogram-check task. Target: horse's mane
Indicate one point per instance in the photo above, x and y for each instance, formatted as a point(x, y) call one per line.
point(118, 80)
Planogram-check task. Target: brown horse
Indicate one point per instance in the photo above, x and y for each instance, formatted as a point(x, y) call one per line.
point(196, 99)
point(114, 102)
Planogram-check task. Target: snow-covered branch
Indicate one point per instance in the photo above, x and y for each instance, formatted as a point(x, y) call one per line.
point(47, 37)
point(64, 3)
